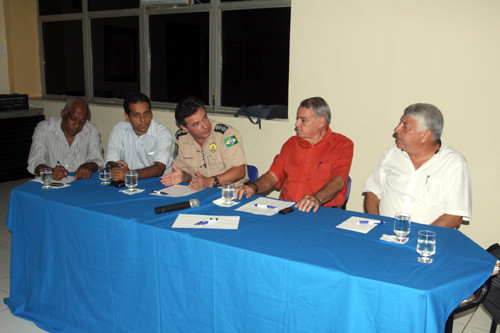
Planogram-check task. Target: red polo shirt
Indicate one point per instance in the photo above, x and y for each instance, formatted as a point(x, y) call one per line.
point(303, 168)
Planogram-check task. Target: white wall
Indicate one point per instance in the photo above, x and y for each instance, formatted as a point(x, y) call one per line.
point(371, 59)
point(4, 68)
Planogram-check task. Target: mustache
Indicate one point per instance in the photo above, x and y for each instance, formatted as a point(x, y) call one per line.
point(395, 135)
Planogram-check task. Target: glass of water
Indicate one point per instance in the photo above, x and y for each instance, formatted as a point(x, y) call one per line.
point(426, 246)
point(228, 193)
point(131, 180)
point(402, 226)
point(104, 175)
point(46, 177)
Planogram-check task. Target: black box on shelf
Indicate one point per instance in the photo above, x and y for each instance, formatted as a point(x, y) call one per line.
point(10, 102)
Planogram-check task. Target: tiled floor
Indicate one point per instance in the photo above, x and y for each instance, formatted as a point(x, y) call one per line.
point(473, 321)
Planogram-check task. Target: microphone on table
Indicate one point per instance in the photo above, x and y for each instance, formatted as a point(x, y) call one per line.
point(176, 206)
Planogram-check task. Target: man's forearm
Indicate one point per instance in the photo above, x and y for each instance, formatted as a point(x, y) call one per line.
point(330, 190)
point(91, 166)
point(232, 175)
point(371, 204)
point(156, 170)
point(448, 221)
point(40, 167)
point(266, 182)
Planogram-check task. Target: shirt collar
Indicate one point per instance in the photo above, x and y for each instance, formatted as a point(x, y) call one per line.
point(325, 138)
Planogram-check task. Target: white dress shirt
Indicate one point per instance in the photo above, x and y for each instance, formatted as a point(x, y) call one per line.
point(140, 152)
point(50, 146)
point(440, 186)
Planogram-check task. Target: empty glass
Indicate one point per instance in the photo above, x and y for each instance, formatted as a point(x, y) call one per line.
point(402, 226)
point(104, 175)
point(228, 193)
point(46, 177)
point(131, 180)
point(426, 246)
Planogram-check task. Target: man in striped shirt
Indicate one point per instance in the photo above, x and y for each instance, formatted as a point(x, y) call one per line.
point(67, 144)
point(140, 143)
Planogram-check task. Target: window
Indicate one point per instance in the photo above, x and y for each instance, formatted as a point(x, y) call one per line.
point(179, 56)
point(255, 47)
point(115, 56)
point(63, 57)
point(96, 5)
point(51, 7)
point(227, 52)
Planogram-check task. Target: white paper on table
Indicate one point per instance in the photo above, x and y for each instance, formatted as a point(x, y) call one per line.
point(251, 208)
point(353, 224)
point(174, 191)
point(223, 222)
point(64, 180)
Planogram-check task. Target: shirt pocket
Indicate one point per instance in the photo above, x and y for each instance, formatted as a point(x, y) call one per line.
point(322, 174)
point(432, 191)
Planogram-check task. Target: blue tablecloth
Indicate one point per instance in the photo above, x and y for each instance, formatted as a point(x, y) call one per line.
point(90, 259)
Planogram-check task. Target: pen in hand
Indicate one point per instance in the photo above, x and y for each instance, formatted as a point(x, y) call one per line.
point(66, 173)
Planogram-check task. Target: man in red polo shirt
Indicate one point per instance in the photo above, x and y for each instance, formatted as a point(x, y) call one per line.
point(313, 166)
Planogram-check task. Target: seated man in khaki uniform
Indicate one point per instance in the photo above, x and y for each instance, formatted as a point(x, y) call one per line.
point(207, 156)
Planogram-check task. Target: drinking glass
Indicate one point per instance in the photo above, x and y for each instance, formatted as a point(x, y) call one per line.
point(228, 193)
point(402, 226)
point(426, 246)
point(104, 175)
point(131, 180)
point(46, 177)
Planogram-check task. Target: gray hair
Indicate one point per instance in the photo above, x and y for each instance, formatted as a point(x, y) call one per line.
point(428, 117)
point(319, 106)
point(76, 100)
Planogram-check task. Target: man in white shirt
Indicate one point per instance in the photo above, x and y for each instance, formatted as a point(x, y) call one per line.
point(67, 144)
point(140, 143)
point(420, 175)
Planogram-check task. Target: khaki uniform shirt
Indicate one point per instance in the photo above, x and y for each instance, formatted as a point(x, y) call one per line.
point(222, 150)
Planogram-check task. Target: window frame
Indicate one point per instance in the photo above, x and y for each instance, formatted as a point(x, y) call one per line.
point(214, 9)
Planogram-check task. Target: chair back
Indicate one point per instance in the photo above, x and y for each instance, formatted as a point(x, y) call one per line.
point(253, 173)
point(477, 298)
point(344, 206)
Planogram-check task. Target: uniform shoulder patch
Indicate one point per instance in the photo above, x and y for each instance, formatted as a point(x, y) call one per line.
point(179, 133)
point(221, 128)
point(231, 141)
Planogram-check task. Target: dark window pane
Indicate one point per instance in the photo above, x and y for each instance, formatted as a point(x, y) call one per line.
point(255, 52)
point(52, 7)
point(63, 56)
point(95, 5)
point(115, 55)
point(179, 56)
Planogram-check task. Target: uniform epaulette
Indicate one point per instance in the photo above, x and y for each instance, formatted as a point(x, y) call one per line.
point(179, 133)
point(221, 128)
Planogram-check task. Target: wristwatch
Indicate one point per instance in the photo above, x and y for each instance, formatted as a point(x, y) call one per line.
point(252, 183)
point(216, 182)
